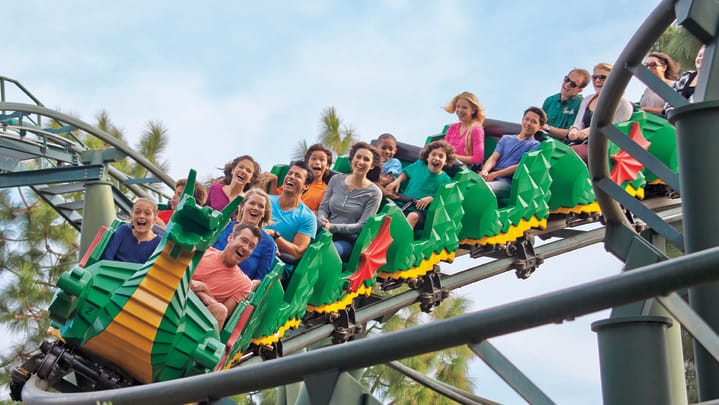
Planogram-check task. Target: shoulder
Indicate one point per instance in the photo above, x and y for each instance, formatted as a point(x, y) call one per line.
point(477, 129)
point(215, 186)
point(553, 97)
point(374, 190)
point(453, 129)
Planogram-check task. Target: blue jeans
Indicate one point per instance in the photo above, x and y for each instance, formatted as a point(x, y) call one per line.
point(500, 188)
point(344, 248)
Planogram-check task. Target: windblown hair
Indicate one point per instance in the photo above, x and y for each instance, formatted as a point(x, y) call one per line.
point(227, 179)
point(267, 216)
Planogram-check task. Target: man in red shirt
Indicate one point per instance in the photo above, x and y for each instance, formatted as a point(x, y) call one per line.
point(218, 281)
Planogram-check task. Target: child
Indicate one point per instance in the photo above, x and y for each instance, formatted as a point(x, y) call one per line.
point(135, 243)
point(391, 167)
point(425, 175)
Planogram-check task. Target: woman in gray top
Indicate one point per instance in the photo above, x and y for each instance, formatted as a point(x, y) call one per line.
point(352, 198)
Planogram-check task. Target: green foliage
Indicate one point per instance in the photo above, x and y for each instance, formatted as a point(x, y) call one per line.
point(333, 134)
point(449, 366)
point(681, 45)
point(299, 151)
point(36, 247)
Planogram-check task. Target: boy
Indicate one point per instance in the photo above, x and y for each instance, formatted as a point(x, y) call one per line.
point(425, 175)
point(501, 165)
point(391, 167)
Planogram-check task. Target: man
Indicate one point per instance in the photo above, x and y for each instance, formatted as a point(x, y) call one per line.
point(217, 280)
point(295, 224)
point(562, 108)
point(506, 156)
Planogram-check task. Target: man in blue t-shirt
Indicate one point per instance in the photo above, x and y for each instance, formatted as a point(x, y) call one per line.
point(294, 223)
point(501, 165)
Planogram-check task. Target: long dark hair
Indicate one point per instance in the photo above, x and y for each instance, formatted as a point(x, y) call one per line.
point(227, 179)
point(374, 172)
point(673, 67)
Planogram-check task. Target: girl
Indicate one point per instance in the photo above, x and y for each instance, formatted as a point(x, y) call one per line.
point(467, 136)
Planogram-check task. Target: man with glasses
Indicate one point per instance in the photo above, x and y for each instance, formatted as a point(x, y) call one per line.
point(562, 107)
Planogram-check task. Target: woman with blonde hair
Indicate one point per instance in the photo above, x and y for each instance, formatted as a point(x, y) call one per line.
point(579, 132)
point(467, 136)
point(256, 210)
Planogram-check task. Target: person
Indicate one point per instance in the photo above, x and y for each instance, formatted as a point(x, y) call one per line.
point(240, 175)
point(562, 108)
point(319, 159)
point(425, 176)
point(200, 195)
point(687, 81)
point(666, 69)
point(352, 198)
point(579, 131)
point(295, 224)
point(256, 210)
point(135, 242)
point(217, 280)
point(467, 136)
point(391, 166)
point(503, 162)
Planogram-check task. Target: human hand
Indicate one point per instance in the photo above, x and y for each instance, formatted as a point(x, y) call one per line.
point(423, 203)
point(326, 222)
point(583, 134)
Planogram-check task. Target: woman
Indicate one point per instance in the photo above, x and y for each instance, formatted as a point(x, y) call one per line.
point(352, 198)
point(470, 148)
point(578, 135)
point(135, 243)
point(666, 69)
point(256, 210)
point(687, 81)
point(240, 174)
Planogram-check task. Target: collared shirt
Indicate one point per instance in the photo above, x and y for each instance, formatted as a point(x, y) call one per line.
point(561, 114)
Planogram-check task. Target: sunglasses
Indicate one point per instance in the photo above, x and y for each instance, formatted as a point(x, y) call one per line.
point(572, 84)
point(599, 77)
point(653, 64)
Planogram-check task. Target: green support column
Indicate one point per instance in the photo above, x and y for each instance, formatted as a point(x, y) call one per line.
point(98, 211)
point(634, 360)
point(697, 145)
point(674, 336)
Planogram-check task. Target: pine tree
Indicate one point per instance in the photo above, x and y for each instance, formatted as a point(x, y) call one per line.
point(37, 246)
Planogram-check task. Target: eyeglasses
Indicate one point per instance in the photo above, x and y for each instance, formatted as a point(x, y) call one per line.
point(572, 84)
point(651, 65)
point(599, 77)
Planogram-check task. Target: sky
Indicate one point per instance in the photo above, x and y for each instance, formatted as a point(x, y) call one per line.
point(234, 78)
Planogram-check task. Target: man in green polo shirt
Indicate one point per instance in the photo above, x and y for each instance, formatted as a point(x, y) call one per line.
point(562, 107)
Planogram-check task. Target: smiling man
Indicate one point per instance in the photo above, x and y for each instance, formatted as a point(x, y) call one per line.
point(217, 280)
point(501, 165)
point(295, 224)
point(562, 107)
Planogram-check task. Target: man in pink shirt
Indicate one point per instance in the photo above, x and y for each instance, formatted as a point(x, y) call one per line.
point(217, 280)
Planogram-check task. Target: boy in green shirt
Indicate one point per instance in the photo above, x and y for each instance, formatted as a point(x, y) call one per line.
point(425, 176)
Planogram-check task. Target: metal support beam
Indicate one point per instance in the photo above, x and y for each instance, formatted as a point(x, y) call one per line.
point(692, 322)
point(99, 210)
point(508, 372)
point(49, 176)
point(698, 166)
point(640, 284)
point(634, 361)
point(461, 396)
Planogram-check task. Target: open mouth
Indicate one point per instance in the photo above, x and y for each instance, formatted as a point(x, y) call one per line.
point(140, 222)
point(239, 253)
point(436, 165)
